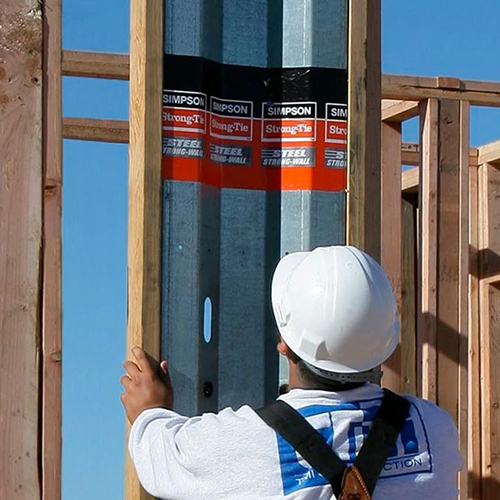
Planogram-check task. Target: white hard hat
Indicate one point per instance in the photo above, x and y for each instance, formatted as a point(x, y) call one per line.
point(335, 309)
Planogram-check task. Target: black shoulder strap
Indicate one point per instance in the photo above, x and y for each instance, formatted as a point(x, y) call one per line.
point(306, 440)
point(382, 437)
point(312, 447)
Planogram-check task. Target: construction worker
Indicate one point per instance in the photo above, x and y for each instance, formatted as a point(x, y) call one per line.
point(338, 322)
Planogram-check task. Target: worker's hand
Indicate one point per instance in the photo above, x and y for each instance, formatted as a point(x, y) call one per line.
point(147, 385)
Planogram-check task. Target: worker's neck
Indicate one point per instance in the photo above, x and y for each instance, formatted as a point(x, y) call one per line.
point(294, 381)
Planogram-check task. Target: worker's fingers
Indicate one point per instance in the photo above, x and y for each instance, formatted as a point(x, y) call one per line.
point(132, 369)
point(142, 359)
point(125, 381)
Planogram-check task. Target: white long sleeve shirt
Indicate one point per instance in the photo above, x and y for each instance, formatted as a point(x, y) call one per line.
point(234, 455)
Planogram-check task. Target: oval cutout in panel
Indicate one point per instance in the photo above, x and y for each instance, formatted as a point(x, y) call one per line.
point(207, 320)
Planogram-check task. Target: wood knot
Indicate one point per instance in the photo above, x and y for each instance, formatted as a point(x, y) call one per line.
point(56, 356)
point(50, 189)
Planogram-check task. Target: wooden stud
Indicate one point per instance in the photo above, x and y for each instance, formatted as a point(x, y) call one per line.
point(463, 290)
point(490, 371)
point(144, 257)
point(409, 295)
point(52, 254)
point(93, 129)
point(363, 196)
point(489, 304)
point(474, 442)
point(96, 65)
point(448, 256)
point(427, 311)
point(391, 232)
point(20, 247)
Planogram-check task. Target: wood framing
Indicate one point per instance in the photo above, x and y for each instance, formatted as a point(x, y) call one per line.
point(489, 220)
point(448, 256)
point(490, 371)
point(399, 111)
point(144, 238)
point(52, 255)
point(417, 88)
point(427, 310)
point(411, 155)
point(93, 129)
point(96, 65)
point(463, 263)
point(474, 381)
point(410, 180)
point(409, 292)
point(363, 191)
point(21, 53)
point(489, 153)
point(391, 258)
point(489, 285)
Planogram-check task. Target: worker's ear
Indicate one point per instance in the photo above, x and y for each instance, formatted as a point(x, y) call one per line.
point(283, 349)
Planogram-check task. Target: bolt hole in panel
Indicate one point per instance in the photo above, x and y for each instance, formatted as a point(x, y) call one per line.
point(254, 166)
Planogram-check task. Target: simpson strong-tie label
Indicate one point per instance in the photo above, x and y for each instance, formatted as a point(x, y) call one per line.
point(184, 111)
point(231, 119)
point(289, 121)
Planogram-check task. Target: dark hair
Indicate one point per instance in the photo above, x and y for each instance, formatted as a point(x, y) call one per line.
point(313, 381)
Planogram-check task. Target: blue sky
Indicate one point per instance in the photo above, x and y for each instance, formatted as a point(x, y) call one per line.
point(432, 38)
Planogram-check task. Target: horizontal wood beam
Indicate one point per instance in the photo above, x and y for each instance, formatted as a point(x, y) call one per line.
point(416, 88)
point(96, 65)
point(92, 129)
point(399, 111)
point(444, 83)
point(410, 180)
point(411, 154)
point(489, 153)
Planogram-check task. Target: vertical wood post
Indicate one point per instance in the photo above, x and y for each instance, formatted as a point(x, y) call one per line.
point(391, 232)
point(474, 444)
point(489, 217)
point(490, 359)
point(463, 288)
point(20, 246)
point(448, 257)
point(144, 239)
point(363, 193)
point(427, 313)
point(409, 295)
point(52, 254)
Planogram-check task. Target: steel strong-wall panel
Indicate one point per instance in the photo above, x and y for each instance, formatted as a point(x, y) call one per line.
point(254, 167)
